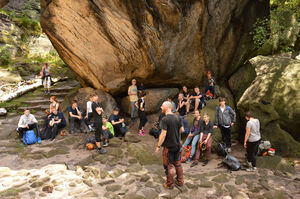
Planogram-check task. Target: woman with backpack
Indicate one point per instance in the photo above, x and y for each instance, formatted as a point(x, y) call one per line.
point(252, 140)
point(46, 78)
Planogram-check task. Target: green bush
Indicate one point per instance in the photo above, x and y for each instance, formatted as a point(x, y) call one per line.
point(5, 57)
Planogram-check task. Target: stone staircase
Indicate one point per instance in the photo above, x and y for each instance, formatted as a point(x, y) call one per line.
point(37, 102)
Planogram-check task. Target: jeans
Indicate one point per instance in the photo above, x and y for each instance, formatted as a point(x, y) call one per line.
point(226, 136)
point(188, 140)
point(252, 149)
point(211, 89)
point(55, 129)
point(107, 134)
point(133, 110)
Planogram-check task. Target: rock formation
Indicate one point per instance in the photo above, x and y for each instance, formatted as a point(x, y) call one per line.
point(163, 43)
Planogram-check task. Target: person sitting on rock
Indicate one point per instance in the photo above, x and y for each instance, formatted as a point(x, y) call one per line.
point(140, 104)
point(118, 123)
point(210, 85)
point(252, 140)
point(54, 103)
point(181, 107)
point(57, 121)
point(197, 99)
point(224, 122)
point(107, 129)
point(194, 135)
point(173, 104)
point(206, 130)
point(186, 97)
point(28, 122)
point(46, 77)
point(89, 114)
point(75, 118)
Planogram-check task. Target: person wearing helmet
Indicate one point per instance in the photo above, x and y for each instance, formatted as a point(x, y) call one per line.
point(205, 140)
point(252, 140)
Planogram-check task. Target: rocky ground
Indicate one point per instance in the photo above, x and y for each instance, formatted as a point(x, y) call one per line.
point(130, 169)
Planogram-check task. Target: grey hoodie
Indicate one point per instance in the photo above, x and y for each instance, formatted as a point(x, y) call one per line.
point(223, 118)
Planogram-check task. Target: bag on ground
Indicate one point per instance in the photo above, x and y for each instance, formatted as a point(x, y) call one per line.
point(232, 163)
point(221, 149)
point(185, 153)
point(29, 137)
point(90, 139)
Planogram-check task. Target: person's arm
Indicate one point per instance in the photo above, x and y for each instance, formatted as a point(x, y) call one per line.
point(207, 138)
point(78, 112)
point(99, 110)
point(210, 130)
point(216, 118)
point(33, 119)
point(233, 115)
point(104, 128)
point(246, 136)
point(201, 135)
point(161, 140)
point(21, 123)
point(141, 105)
point(129, 91)
point(58, 121)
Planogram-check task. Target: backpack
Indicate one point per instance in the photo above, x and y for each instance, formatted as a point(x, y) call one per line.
point(45, 134)
point(90, 139)
point(154, 132)
point(29, 137)
point(208, 95)
point(232, 163)
point(221, 149)
point(185, 153)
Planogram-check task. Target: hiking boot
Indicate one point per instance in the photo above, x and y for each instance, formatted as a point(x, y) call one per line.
point(205, 163)
point(168, 187)
point(251, 169)
point(189, 160)
point(194, 164)
point(101, 150)
point(105, 144)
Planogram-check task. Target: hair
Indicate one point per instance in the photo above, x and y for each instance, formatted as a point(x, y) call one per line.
point(169, 97)
point(205, 114)
point(222, 99)
point(133, 80)
point(26, 109)
point(104, 117)
point(116, 109)
point(208, 72)
point(198, 111)
point(167, 104)
point(46, 64)
point(92, 95)
point(184, 86)
point(74, 101)
point(196, 87)
point(54, 98)
point(248, 114)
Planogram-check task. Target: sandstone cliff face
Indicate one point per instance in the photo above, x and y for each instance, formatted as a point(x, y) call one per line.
point(163, 43)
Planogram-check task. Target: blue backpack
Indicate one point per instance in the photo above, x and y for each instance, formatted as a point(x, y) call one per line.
point(29, 137)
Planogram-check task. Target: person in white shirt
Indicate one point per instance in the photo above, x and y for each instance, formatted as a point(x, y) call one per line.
point(89, 113)
point(27, 122)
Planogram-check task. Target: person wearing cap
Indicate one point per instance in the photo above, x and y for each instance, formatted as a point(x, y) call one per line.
point(118, 123)
point(132, 92)
point(206, 130)
point(107, 129)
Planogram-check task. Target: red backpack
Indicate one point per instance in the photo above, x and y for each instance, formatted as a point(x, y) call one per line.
point(185, 153)
point(209, 95)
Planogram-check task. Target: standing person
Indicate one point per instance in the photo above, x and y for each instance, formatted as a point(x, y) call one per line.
point(57, 121)
point(140, 104)
point(28, 122)
point(170, 139)
point(206, 130)
point(89, 113)
point(194, 134)
point(118, 123)
point(141, 88)
point(224, 122)
point(173, 104)
point(181, 107)
point(75, 118)
point(210, 84)
point(186, 97)
point(132, 92)
point(197, 98)
point(46, 77)
point(252, 140)
point(108, 130)
point(54, 103)
point(97, 115)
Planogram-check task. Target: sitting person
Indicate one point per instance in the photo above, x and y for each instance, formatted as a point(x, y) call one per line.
point(118, 123)
point(206, 130)
point(173, 104)
point(181, 107)
point(76, 119)
point(54, 103)
point(89, 113)
point(194, 134)
point(186, 97)
point(107, 130)
point(197, 99)
point(210, 85)
point(57, 121)
point(28, 122)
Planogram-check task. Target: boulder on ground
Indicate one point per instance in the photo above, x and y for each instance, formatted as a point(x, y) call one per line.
point(276, 163)
point(154, 99)
point(3, 111)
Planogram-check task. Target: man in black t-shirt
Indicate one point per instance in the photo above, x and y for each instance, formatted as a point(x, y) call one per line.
point(197, 99)
point(76, 119)
point(118, 123)
point(97, 115)
point(170, 139)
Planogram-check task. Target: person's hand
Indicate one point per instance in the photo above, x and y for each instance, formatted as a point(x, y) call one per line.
point(121, 120)
point(232, 124)
point(245, 145)
point(215, 127)
point(190, 135)
point(205, 141)
point(26, 126)
point(86, 117)
point(157, 150)
point(79, 117)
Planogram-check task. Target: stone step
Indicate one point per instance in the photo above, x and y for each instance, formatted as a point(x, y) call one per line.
point(36, 108)
point(41, 102)
point(62, 89)
point(58, 94)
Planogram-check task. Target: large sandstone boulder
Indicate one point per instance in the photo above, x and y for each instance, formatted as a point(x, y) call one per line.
point(273, 97)
point(163, 43)
point(154, 99)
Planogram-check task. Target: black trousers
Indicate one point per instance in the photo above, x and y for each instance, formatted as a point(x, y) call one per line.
point(252, 149)
point(55, 129)
point(98, 130)
point(226, 135)
point(31, 127)
point(107, 134)
point(88, 120)
point(143, 119)
point(76, 123)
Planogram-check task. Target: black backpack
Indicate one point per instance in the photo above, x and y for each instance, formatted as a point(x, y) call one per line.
point(232, 163)
point(154, 132)
point(221, 149)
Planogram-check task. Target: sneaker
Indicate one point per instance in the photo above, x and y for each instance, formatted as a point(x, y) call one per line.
point(52, 139)
point(251, 169)
point(39, 140)
point(178, 184)
point(205, 163)
point(229, 150)
point(71, 132)
point(101, 150)
point(144, 131)
point(189, 160)
point(194, 164)
point(168, 187)
point(141, 133)
point(105, 144)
